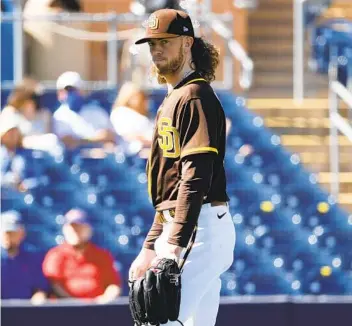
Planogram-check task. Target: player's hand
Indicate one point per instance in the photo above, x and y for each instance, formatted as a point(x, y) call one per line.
point(169, 251)
point(141, 264)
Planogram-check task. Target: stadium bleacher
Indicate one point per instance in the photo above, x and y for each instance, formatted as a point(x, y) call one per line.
point(286, 223)
point(331, 42)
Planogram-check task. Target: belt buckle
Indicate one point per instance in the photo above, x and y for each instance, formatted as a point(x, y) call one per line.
point(162, 218)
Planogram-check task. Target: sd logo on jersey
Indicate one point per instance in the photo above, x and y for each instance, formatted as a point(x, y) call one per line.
point(169, 140)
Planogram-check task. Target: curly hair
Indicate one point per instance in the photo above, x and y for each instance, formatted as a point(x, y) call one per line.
point(205, 58)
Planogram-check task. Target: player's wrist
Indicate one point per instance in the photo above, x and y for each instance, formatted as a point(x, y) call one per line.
point(173, 249)
point(148, 252)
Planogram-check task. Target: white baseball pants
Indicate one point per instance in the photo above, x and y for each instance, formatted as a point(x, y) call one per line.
point(211, 255)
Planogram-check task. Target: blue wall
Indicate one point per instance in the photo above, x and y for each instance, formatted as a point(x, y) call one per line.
point(241, 314)
point(7, 45)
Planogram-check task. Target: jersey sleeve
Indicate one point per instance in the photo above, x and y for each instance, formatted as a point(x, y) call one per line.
point(198, 129)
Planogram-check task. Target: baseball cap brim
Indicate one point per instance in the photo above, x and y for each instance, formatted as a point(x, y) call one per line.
point(155, 36)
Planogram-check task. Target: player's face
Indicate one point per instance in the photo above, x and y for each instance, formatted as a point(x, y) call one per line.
point(167, 55)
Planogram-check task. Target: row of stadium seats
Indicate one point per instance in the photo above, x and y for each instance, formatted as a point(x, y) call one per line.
point(331, 43)
point(291, 237)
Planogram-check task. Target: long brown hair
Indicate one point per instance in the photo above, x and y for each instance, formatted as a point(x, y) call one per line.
point(19, 96)
point(205, 58)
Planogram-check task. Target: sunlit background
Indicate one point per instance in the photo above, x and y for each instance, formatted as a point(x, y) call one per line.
point(285, 83)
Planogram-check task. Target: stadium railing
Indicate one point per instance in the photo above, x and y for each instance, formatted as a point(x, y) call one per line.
point(338, 92)
point(221, 24)
point(298, 46)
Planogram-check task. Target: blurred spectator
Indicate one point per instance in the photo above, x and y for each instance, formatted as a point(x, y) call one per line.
point(11, 140)
point(34, 121)
point(21, 272)
point(129, 115)
point(10, 134)
point(14, 163)
point(78, 268)
point(24, 100)
point(66, 5)
point(78, 122)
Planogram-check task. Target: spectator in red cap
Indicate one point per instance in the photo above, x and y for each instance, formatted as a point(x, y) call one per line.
point(78, 268)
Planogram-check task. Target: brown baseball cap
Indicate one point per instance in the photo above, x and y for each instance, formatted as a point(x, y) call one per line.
point(165, 23)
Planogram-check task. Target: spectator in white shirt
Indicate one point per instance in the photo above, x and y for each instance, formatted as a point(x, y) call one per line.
point(129, 115)
point(24, 101)
point(78, 122)
point(10, 140)
point(34, 122)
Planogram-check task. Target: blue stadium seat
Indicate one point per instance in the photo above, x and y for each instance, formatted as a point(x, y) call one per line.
point(335, 32)
point(229, 284)
point(291, 237)
point(326, 281)
point(263, 280)
point(101, 171)
point(312, 10)
point(338, 243)
point(41, 239)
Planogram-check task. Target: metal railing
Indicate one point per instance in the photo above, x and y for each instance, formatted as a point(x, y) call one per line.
point(224, 300)
point(217, 22)
point(337, 92)
point(111, 37)
point(338, 124)
point(237, 51)
point(246, 4)
point(298, 49)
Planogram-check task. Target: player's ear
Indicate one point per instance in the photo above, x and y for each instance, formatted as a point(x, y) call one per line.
point(187, 43)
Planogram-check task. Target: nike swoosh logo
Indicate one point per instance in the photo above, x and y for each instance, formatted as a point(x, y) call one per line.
point(221, 216)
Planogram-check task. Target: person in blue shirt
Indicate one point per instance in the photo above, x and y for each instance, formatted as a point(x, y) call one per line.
point(21, 271)
point(79, 121)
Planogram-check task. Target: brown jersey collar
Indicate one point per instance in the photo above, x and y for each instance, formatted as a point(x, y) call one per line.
point(194, 76)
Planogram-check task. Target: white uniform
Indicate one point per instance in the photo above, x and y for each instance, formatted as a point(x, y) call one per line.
point(210, 256)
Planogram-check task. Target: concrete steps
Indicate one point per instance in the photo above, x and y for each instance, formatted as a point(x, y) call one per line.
point(270, 45)
point(304, 129)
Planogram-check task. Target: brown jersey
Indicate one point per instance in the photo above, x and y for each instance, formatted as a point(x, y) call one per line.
point(190, 121)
